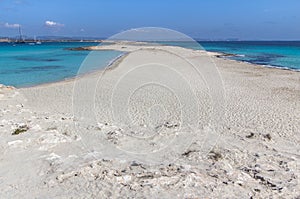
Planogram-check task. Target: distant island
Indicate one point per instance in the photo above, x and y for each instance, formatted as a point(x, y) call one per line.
point(52, 39)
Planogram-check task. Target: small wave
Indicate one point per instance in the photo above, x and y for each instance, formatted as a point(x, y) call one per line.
point(115, 59)
point(263, 63)
point(282, 67)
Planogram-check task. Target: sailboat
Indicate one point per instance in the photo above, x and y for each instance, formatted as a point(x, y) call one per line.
point(21, 39)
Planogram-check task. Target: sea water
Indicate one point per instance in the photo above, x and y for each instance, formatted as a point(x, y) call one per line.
point(27, 65)
point(23, 65)
point(280, 54)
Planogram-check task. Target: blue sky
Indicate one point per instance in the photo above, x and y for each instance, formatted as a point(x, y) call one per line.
point(208, 19)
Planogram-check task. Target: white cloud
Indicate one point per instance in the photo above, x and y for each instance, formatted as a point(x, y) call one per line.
point(7, 25)
point(53, 24)
point(82, 30)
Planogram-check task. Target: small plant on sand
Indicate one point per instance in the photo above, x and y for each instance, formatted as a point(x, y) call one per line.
point(214, 155)
point(20, 129)
point(251, 135)
point(267, 136)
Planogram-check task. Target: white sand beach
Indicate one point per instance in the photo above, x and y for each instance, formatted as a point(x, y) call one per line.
point(160, 122)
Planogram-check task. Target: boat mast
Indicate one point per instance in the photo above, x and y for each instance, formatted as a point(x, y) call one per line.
point(20, 32)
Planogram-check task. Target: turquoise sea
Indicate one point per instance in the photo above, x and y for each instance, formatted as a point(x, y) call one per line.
point(24, 65)
point(279, 54)
point(27, 65)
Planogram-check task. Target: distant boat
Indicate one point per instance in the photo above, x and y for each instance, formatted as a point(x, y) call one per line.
point(37, 42)
point(21, 39)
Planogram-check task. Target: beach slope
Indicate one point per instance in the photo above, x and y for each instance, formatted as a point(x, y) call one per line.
point(105, 134)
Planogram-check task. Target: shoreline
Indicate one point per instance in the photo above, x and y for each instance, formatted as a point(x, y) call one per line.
point(230, 57)
point(220, 55)
point(113, 63)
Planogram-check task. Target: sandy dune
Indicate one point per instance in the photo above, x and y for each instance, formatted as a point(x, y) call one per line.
point(160, 122)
